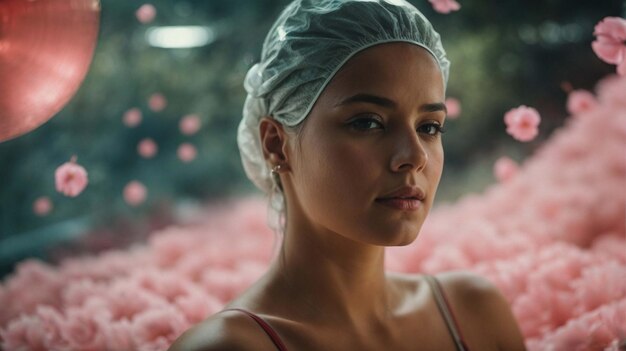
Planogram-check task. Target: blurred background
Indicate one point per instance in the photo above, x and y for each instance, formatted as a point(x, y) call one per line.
point(503, 54)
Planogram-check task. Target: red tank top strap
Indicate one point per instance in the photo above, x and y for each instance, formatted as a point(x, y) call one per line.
point(266, 327)
point(446, 311)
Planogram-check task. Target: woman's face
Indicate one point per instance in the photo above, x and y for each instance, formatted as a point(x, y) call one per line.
point(373, 130)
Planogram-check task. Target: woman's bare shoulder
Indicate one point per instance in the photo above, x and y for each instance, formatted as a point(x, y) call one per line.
point(478, 297)
point(230, 330)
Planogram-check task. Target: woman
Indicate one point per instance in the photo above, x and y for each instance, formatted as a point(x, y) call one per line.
point(346, 108)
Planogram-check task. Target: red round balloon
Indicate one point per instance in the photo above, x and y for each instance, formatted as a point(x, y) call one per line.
point(46, 47)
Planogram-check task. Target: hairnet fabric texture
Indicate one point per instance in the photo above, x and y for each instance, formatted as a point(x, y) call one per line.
point(306, 46)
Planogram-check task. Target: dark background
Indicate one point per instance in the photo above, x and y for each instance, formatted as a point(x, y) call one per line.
point(503, 53)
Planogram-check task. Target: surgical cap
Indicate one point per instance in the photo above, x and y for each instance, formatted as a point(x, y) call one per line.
point(307, 45)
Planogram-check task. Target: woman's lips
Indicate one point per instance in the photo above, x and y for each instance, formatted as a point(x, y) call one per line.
point(408, 204)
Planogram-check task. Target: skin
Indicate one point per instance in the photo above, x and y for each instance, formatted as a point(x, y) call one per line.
point(329, 290)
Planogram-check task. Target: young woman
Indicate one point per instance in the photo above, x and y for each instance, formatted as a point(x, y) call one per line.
point(346, 108)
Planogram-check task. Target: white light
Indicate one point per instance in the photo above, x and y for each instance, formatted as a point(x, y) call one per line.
point(177, 37)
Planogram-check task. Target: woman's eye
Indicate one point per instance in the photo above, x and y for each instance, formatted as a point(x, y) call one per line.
point(364, 123)
point(432, 129)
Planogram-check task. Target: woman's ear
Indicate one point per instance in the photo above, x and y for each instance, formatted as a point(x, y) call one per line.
point(273, 140)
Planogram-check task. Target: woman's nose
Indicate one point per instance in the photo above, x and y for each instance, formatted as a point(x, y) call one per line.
point(408, 152)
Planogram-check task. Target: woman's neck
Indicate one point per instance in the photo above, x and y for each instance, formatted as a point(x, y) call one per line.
point(329, 279)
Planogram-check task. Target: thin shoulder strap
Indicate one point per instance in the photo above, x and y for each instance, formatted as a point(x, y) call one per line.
point(446, 312)
point(266, 327)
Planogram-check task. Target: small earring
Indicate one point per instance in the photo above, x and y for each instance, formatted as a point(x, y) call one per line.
point(275, 176)
point(276, 169)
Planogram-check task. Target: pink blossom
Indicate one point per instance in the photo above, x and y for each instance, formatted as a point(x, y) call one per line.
point(198, 305)
point(580, 101)
point(187, 152)
point(610, 43)
point(189, 124)
point(157, 329)
point(135, 193)
point(147, 148)
point(38, 332)
point(118, 336)
point(157, 102)
point(505, 168)
point(145, 13)
point(454, 107)
point(551, 238)
point(70, 178)
point(522, 123)
point(445, 6)
point(84, 327)
point(42, 206)
point(132, 117)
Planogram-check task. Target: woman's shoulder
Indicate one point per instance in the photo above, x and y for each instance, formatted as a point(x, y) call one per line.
point(222, 331)
point(481, 303)
point(483, 313)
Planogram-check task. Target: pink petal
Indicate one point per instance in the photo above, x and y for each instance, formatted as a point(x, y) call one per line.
point(614, 27)
point(621, 68)
point(189, 124)
point(42, 206)
point(522, 123)
point(505, 169)
point(70, 179)
point(608, 51)
point(157, 102)
point(134, 193)
point(187, 152)
point(445, 6)
point(132, 117)
point(145, 13)
point(580, 101)
point(147, 148)
point(454, 107)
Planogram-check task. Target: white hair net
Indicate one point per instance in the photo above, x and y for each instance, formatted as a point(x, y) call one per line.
point(309, 42)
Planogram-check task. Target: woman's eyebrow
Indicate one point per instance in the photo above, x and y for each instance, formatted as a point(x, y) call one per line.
point(372, 99)
point(434, 107)
point(388, 103)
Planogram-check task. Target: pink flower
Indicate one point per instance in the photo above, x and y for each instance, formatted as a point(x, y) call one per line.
point(134, 193)
point(70, 178)
point(84, 327)
point(505, 168)
point(610, 43)
point(189, 124)
point(445, 6)
point(522, 123)
point(187, 152)
point(42, 206)
point(454, 107)
point(132, 117)
point(38, 332)
point(580, 101)
point(145, 13)
point(118, 336)
point(157, 328)
point(147, 148)
point(157, 102)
